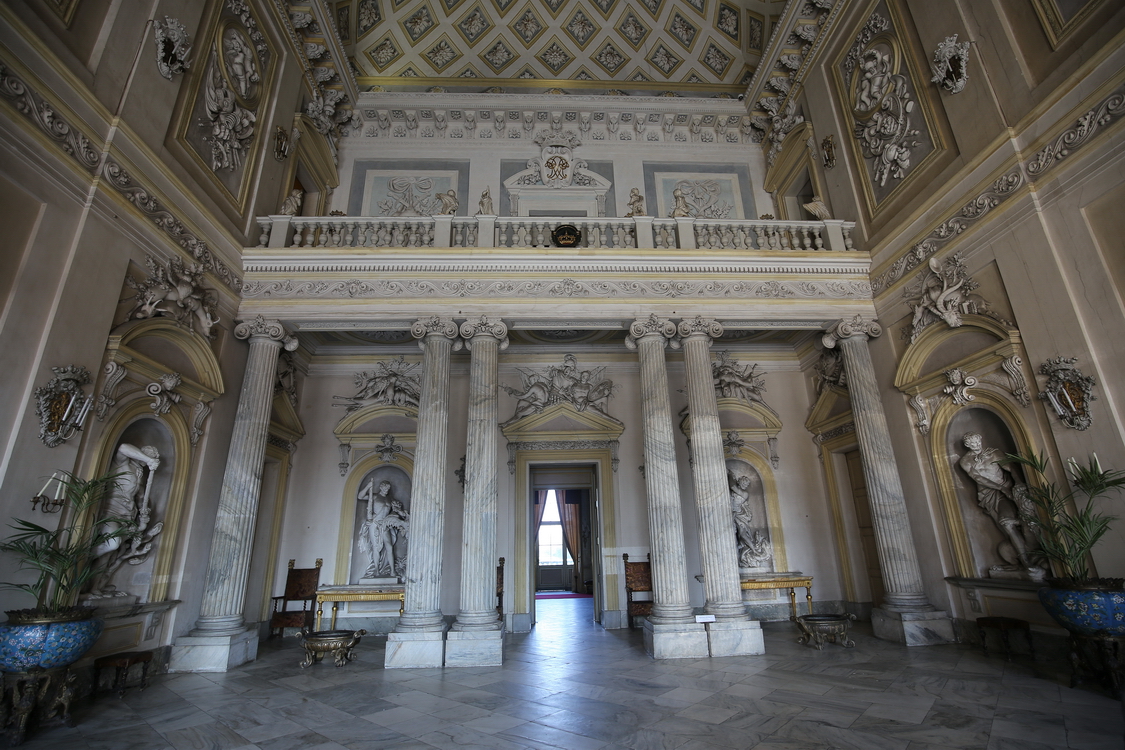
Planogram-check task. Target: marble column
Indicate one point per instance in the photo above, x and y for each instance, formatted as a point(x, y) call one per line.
point(671, 630)
point(418, 639)
point(221, 639)
point(898, 560)
point(476, 639)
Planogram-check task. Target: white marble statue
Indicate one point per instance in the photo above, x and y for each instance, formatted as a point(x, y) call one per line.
point(485, 204)
point(1007, 504)
point(292, 204)
point(680, 209)
point(636, 203)
point(754, 550)
point(129, 506)
point(386, 528)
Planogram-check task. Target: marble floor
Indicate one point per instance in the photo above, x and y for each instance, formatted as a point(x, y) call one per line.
point(569, 684)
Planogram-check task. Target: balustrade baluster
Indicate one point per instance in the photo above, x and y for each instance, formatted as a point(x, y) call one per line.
point(298, 226)
point(806, 242)
point(817, 239)
point(349, 233)
point(847, 238)
point(503, 229)
point(266, 225)
point(458, 229)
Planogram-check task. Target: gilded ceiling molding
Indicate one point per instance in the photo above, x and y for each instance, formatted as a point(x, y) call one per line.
point(1080, 133)
point(143, 198)
point(968, 215)
point(32, 105)
point(566, 288)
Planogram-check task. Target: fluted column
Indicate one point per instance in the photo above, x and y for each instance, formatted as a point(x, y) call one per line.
point(902, 578)
point(485, 338)
point(718, 545)
point(422, 608)
point(233, 539)
point(665, 519)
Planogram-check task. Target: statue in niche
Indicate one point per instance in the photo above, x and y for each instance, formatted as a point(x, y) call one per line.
point(636, 203)
point(385, 531)
point(485, 204)
point(292, 205)
point(392, 382)
point(449, 202)
point(583, 389)
point(1006, 502)
point(754, 549)
point(196, 307)
point(129, 505)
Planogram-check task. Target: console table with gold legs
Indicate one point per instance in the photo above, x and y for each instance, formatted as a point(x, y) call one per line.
point(337, 594)
point(783, 582)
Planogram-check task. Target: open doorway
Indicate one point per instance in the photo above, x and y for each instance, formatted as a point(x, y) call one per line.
point(563, 546)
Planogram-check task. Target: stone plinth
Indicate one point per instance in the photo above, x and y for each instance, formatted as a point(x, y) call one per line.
point(913, 628)
point(415, 650)
point(474, 648)
point(213, 653)
point(676, 641)
point(735, 638)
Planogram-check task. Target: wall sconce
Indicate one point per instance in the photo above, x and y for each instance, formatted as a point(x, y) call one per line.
point(62, 406)
point(283, 141)
point(46, 503)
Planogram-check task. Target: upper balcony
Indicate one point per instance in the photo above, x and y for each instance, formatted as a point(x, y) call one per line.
point(640, 232)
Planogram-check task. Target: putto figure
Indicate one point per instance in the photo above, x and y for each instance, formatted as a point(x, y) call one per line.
point(191, 304)
point(386, 528)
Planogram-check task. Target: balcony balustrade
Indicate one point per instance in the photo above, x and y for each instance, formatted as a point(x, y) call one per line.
point(640, 232)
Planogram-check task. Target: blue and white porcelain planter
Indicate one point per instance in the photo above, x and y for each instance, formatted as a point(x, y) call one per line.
point(1086, 609)
point(30, 642)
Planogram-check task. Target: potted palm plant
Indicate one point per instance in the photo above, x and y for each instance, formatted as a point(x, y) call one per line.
point(56, 632)
point(1068, 526)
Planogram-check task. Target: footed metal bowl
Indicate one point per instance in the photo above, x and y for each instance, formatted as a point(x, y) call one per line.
point(340, 643)
point(817, 629)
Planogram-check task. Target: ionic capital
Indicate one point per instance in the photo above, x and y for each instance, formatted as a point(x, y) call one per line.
point(650, 326)
point(433, 326)
point(846, 329)
point(486, 326)
point(260, 328)
point(701, 326)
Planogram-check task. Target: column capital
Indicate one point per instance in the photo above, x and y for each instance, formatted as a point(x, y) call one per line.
point(433, 326)
point(701, 326)
point(485, 326)
point(259, 327)
point(650, 326)
point(846, 329)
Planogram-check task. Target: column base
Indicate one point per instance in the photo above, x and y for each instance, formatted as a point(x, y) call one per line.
point(213, 653)
point(736, 638)
point(913, 628)
point(474, 648)
point(679, 641)
point(418, 650)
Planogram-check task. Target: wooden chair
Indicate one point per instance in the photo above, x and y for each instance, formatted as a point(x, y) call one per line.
point(300, 586)
point(500, 588)
point(638, 577)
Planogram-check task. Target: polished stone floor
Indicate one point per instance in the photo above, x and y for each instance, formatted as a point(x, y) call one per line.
point(571, 685)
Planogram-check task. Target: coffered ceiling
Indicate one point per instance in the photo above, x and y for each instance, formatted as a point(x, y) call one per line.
point(676, 47)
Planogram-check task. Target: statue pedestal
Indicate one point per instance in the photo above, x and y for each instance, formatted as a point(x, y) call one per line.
point(679, 641)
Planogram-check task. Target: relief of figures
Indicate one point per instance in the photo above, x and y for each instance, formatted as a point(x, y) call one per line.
point(231, 125)
point(754, 547)
point(1005, 501)
point(944, 292)
point(175, 290)
point(736, 380)
point(392, 382)
point(582, 389)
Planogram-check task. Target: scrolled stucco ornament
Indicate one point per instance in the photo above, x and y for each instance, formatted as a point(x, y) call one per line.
point(950, 66)
point(173, 47)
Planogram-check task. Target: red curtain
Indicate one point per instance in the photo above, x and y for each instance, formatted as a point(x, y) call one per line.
point(540, 505)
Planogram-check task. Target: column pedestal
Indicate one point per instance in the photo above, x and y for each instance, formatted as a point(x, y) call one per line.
point(474, 648)
point(213, 653)
point(735, 638)
point(913, 628)
point(676, 641)
point(417, 649)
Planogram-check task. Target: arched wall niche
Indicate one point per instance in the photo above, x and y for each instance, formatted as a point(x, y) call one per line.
point(972, 535)
point(382, 566)
point(161, 345)
point(351, 510)
point(764, 500)
point(135, 423)
point(969, 346)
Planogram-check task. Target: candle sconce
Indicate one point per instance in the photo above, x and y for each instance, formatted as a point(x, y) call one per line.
point(45, 502)
point(1068, 391)
point(62, 405)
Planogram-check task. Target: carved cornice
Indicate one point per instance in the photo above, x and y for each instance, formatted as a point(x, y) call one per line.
point(561, 288)
point(835, 432)
point(563, 445)
point(33, 106)
point(845, 329)
point(1078, 134)
point(968, 215)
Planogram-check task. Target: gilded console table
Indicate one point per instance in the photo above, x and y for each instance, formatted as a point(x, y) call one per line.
point(337, 594)
point(784, 582)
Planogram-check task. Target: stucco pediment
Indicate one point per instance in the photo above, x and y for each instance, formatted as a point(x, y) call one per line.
point(563, 420)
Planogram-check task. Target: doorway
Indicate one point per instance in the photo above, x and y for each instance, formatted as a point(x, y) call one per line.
point(563, 518)
point(858, 485)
